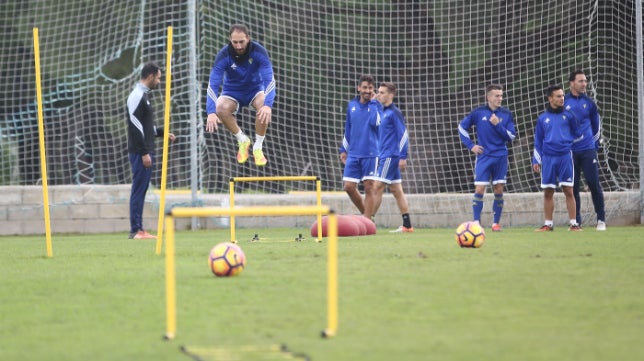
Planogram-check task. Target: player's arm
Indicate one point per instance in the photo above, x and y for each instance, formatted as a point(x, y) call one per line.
point(402, 135)
point(160, 132)
point(575, 129)
point(595, 124)
point(214, 83)
point(463, 131)
point(538, 144)
point(505, 129)
point(137, 137)
point(344, 148)
point(264, 113)
point(268, 78)
point(376, 114)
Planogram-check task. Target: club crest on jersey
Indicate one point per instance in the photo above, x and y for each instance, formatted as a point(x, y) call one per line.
point(250, 60)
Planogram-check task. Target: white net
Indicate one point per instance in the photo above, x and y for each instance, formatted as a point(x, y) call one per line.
point(441, 54)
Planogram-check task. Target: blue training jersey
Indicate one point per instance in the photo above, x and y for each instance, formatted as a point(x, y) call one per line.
point(493, 138)
point(554, 133)
point(241, 72)
point(585, 110)
point(361, 129)
point(392, 133)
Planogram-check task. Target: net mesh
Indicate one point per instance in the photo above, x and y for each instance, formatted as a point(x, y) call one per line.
point(441, 54)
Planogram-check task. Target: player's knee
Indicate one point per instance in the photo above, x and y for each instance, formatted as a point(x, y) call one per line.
point(349, 187)
point(223, 112)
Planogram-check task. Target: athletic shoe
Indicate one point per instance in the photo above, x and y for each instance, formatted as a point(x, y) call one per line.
point(242, 153)
point(575, 228)
point(496, 227)
point(545, 228)
point(144, 235)
point(601, 225)
point(402, 229)
point(260, 160)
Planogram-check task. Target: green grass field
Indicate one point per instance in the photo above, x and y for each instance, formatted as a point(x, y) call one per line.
point(522, 296)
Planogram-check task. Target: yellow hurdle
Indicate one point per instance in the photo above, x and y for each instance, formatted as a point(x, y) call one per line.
point(231, 190)
point(255, 211)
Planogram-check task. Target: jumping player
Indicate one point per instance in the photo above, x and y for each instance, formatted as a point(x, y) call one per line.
point(247, 75)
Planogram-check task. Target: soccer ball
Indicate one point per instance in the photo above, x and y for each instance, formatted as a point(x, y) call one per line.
point(470, 235)
point(226, 259)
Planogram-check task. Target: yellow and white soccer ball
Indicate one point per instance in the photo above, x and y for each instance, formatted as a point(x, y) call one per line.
point(226, 259)
point(470, 235)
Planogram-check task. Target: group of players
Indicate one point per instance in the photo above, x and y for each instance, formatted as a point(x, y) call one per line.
point(566, 138)
point(375, 142)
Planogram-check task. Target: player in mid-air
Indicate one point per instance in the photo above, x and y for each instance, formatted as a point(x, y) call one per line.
point(247, 75)
point(584, 152)
point(360, 147)
point(394, 145)
point(494, 130)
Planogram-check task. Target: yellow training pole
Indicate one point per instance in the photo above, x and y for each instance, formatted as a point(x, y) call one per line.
point(166, 130)
point(231, 192)
point(318, 190)
point(43, 156)
point(332, 277)
point(170, 281)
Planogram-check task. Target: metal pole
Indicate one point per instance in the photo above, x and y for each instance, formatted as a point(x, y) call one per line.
point(640, 98)
point(194, 99)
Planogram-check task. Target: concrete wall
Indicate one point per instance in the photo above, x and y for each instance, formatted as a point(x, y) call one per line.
point(105, 209)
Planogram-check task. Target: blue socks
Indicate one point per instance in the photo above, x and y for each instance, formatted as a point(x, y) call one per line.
point(497, 207)
point(477, 206)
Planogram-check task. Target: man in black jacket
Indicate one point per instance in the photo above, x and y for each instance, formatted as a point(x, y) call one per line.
point(140, 145)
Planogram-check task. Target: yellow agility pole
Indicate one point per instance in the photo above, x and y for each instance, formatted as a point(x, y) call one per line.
point(332, 278)
point(231, 191)
point(170, 281)
point(318, 195)
point(166, 130)
point(43, 156)
point(231, 204)
point(254, 211)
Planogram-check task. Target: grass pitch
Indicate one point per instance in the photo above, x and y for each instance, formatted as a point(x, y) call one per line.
point(522, 296)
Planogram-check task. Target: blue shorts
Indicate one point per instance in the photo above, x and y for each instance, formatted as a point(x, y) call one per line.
point(242, 98)
point(490, 168)
point(359, 169)
point(557, 168)
point(389, 170)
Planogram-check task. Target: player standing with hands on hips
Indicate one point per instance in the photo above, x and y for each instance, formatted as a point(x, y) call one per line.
point(584, 152)
point(140, 145)
point(247, 75)
point(494, 129)
point(554, 134)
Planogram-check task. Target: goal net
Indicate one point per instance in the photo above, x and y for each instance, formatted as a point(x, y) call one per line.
point(441, 55)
